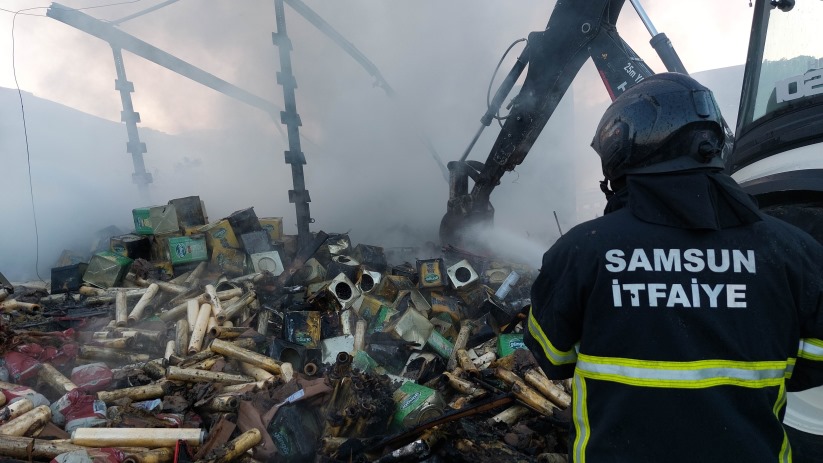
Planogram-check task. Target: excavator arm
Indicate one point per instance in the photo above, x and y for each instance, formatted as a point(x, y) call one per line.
point(575, 32)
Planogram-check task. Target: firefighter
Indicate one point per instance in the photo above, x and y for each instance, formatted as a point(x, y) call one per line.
point(684, 314)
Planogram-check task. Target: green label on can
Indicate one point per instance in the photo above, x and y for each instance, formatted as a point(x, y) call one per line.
point(363, 362)
point(142, 222)
point(508, 343)
point(379, 321)
point(409, 397)
point(440, 344)
point(282, 441)
point(303, 338)
point(184, 249)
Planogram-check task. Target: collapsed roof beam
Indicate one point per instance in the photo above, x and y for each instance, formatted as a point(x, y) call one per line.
point(119, 39)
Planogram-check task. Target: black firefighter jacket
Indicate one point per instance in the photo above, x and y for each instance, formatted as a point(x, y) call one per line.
point(684, 317)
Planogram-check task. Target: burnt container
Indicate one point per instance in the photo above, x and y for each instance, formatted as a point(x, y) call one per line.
point(416, 404)
point(302, 327)
point(67, 278)
point(187, 249)
point(255, 242)
point(244, 221)
point(462, 275)
point(131, 245)
point(483, 329)
point(229, 260)
point(286, 351)
point(189, 211)
point(405, 270)
point(273, 226)
point(295, 431)
point(267, 262)
point(502, 313)
point(154, 220)
point(371, 256)
point(343, 264)
point(336, 244)
point(106, 269)
point(431, 273)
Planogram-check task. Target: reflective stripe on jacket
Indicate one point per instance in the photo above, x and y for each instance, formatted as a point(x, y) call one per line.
point(682, 343)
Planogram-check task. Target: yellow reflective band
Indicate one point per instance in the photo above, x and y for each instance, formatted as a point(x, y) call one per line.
point(790, 367)
point(811, 349)
point(785, 455)
point(684, 375)
point(555, 356)
point(580, 415)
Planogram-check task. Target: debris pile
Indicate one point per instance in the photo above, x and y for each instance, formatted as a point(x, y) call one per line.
point(190, 340)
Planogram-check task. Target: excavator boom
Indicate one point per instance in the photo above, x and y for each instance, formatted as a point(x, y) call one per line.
point(575, 32)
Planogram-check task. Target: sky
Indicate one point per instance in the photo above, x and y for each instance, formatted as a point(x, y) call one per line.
point(368, 171)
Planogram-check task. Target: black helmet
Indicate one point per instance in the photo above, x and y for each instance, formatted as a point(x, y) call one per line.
point(668, 122)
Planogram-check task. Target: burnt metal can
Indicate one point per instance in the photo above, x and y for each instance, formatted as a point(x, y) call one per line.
point(416, 405)
point(244, 221)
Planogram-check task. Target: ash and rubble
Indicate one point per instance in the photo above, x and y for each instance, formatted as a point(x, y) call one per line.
point(190, 340)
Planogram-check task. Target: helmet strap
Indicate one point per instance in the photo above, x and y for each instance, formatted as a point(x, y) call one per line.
point(604, 187)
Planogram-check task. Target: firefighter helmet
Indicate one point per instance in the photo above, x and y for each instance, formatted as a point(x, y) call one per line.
point(668, 122)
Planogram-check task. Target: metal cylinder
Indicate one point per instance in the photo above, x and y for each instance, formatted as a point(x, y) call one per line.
point(459, 343)
point(195, 274)
point(27, 423)
point(244, 355)
point(136, 313)
point(55, 379)
point(216, 305)
point(546, 387)
point(226, 403)
point(236, 447)
point(181, 337)
point(121, 309)
point(136, 393)
point(161, 455)
point(203, 376)
point(28, 449)
point(236, 308)
point(199, 332)
point(15, 409)
point(192, 311)
point(255, 372)
point(310, 369)
point(111, 355)
point(136, 437)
